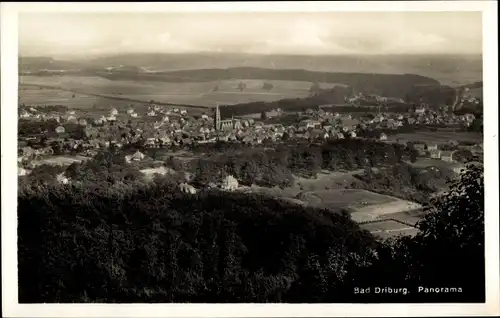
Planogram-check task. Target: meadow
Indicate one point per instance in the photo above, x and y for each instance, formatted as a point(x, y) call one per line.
point(206, 94)
point(59, 160)
point(437, 137)
point(351, 199)
point(36, 96)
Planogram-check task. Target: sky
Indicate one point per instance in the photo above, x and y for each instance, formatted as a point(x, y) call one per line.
point(87, 34)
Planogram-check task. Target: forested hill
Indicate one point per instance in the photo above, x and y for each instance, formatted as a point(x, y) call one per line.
point(394, 85)
point(130, 242)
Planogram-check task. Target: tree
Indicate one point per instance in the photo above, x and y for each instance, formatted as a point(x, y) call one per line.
point(263, 115)
point(451, 233)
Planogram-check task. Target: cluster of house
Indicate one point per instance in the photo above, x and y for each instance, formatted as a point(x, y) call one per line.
point(33, 114)
point(426, 116)
point(359, 98)
point(468, 99)
point(229, 183)
point(432, 151)
point(163, 127)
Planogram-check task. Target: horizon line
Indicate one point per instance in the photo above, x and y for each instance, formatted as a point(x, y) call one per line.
point(77, 55)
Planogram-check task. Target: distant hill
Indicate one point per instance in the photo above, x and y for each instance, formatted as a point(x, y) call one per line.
point(474, 85)
point(447, 69)
point(37, 64)
point(393, 85)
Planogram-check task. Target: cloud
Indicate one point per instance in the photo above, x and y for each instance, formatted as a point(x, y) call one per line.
point(302, 36)
point(418, 42)
point(314, 33)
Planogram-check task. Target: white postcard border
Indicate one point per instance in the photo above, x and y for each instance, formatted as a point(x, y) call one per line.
point(9, 49)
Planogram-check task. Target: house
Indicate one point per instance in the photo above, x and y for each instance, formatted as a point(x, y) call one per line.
point(165, 140)
point(469, 117)
point(60, 130)
point(353, 134)
point(137, 156)
point(151, 113)
point(111, 118)
point(459, 169)
point(61, 178)
point(420, 110)
point(113, 112)
point(447, 156)
point(24, 114)
point(82, 122)
point(22, 171)
point(130, 111)
point(432, 147)
point(186, 188)
point(134, 115)
point(71, 118)
point(435, 154)
point(229, 183)
point(383, 136)
point(273, 113)
point(150, 141)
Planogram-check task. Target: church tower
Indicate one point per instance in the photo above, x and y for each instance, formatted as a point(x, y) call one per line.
point(217, 122)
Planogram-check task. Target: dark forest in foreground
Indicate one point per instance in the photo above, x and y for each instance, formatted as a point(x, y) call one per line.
point(134, 242)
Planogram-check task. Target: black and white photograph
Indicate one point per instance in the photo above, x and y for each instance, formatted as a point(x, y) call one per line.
point(204, 153)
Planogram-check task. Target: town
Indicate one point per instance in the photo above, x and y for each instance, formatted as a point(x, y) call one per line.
point(75, 133)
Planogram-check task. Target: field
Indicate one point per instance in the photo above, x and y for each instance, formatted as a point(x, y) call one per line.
point(428, 162)
point(438, 137)
point(388, 229)
point(351, 199)
point(59, 160)
point(33, 96)
point(324, 181)
point(191, 93)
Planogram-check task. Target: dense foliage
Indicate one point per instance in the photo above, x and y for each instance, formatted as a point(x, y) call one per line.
point(46, 129)
point(448, 251)
point(275, 167)
point(335, 96)
point(402, 180)
point(151, 243)
point(433, 95)
point(155, 244)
